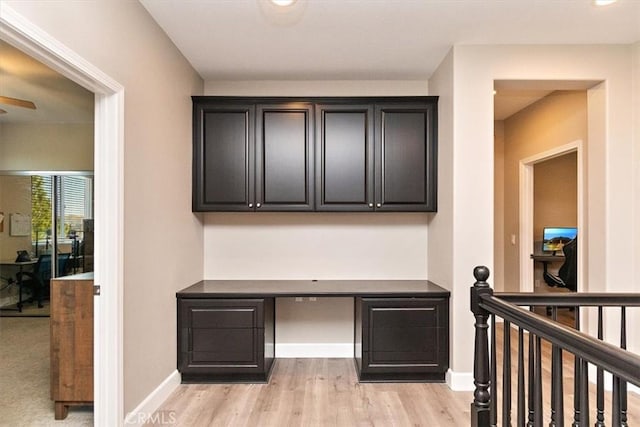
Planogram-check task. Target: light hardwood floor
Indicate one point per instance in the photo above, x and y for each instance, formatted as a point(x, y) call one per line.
point(317, 392)
point(325, 392)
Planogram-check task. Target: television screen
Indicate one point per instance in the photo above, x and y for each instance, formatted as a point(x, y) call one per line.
point(554, 238)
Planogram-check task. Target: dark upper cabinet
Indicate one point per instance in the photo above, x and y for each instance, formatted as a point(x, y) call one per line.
point(315, 154)
point(223, 158)
point(284, 157)
point(344, 157)
point(406, 157)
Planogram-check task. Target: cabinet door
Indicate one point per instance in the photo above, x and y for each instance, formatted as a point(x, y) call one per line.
point(220, 336)
point(344, 158)
point(284, 152)
point(223, 158)
point(404, 338)
point(406, 157)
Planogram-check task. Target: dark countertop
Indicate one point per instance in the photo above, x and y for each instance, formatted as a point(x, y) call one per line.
point(319, 288)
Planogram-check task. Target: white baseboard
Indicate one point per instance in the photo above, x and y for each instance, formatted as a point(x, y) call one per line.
point(291, 350)
point(144, 412)
point(459, 381)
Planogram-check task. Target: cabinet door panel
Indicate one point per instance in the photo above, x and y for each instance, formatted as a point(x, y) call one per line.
point(223, 157)
point(419, 340)
point(344, 157)
point(406, 158)
point(227, 345)
point(284, 152)
point(407, 337)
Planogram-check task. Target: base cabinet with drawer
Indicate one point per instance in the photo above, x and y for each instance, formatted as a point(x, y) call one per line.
point(225, 340)
point(401, 339)
point(226, 328)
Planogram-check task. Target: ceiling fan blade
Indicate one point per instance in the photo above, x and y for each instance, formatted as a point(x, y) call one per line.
point(17, 102)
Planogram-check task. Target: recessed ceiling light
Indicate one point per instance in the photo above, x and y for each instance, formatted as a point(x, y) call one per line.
point(283, 2)
point(603, 2)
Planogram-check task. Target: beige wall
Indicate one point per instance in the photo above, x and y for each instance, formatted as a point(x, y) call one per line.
point(163, 239)
point(46, 146)
point(499, 237)
point(15, 197)
point(318, 245)
point(555, 193)
point(441, 251)
point(634, 286)
point(558, 119)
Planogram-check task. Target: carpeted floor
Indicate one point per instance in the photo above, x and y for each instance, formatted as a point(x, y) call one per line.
point(28, 310)
point(24, 376)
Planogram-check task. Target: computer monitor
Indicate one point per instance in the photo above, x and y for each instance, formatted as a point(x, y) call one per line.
point(554, 238)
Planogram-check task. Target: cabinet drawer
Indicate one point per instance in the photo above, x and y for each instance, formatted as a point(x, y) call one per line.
point(403, 312)
point(222, 313)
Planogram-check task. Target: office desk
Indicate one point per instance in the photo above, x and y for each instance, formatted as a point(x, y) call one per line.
point(546, 258)
point(226, 328)
point(20, 266)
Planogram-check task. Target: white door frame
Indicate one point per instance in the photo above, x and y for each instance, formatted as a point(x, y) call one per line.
point(109, 143)
point(526, 210)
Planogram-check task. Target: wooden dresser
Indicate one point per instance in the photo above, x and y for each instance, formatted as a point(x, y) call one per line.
point(71, 342)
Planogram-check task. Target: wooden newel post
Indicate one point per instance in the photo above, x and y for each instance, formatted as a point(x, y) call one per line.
point(481, 406)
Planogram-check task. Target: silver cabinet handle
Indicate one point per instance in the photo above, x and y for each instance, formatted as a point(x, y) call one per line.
point(370, 205)
point(378, 205)
point(258, 205)
point(250, 205)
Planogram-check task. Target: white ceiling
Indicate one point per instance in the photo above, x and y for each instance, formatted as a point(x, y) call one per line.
point(372, 39)
point(334, 39)
point(57, 99)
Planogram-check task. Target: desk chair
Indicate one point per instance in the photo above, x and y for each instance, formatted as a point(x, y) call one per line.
point(568, 274)
point(37, 281)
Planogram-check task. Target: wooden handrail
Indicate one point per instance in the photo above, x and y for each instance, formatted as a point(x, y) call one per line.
point(622, 364)
point(609, 357)
point(582, 299)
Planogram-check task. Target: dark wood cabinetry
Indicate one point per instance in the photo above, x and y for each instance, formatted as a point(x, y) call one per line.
point(402, 339)
point(406, 157)
point(223, 340)
point(226, 328)
point(284, 155)
point(223, 157)
point(344, 157)
point(315, 154)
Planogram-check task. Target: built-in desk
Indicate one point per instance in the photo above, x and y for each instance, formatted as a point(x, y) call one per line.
point(226, 328)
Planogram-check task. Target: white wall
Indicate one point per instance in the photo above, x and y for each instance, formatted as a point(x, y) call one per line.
point(315, 245)
point(163, 239)
point(46, 146)
point(476, 68)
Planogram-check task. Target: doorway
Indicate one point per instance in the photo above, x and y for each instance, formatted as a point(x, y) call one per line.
point(543, 123)
point(108, 186)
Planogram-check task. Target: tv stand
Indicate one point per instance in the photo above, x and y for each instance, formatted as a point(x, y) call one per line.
point(226, 328)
